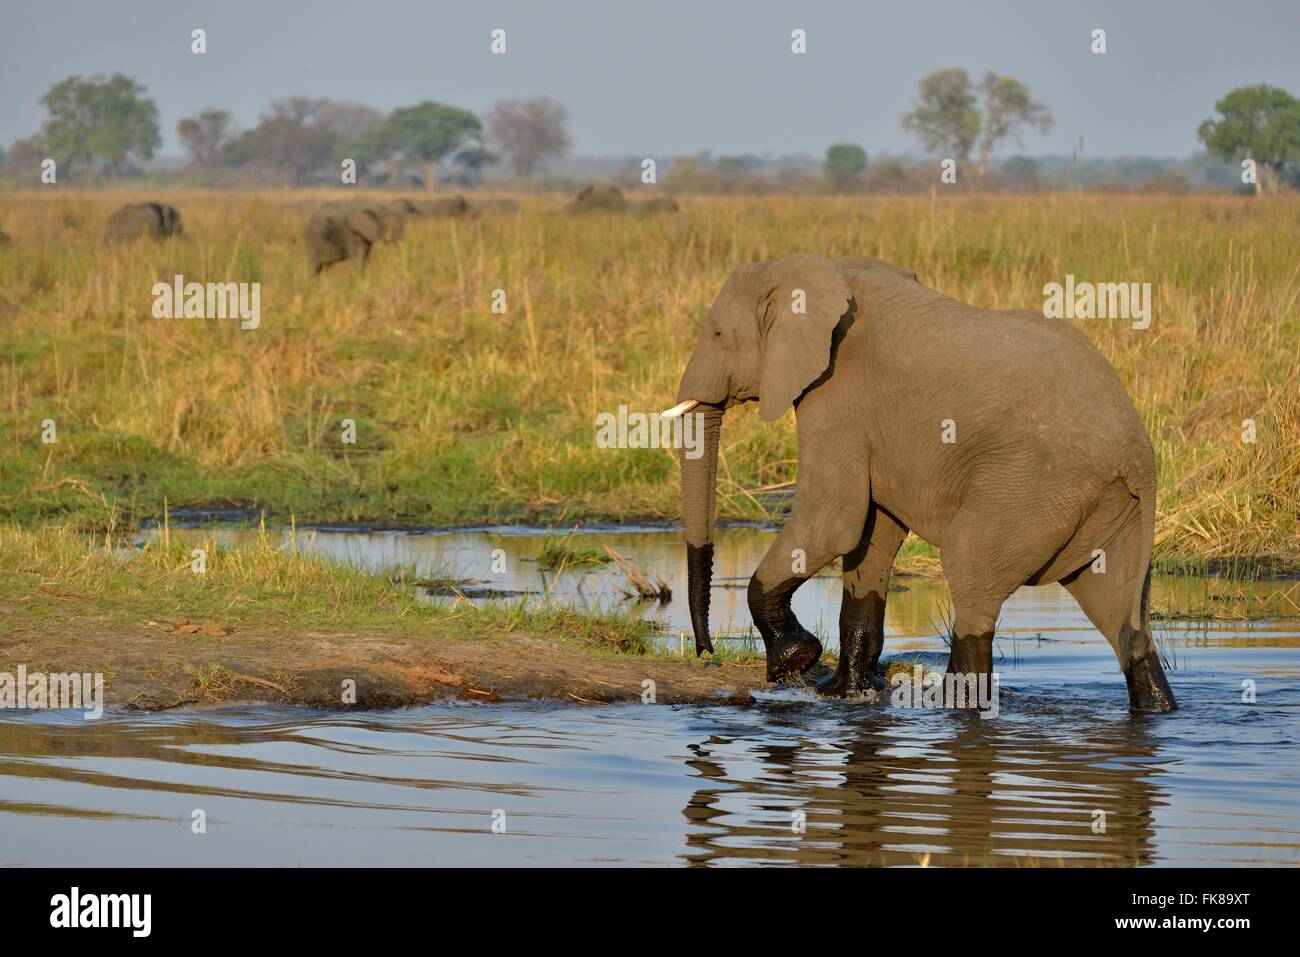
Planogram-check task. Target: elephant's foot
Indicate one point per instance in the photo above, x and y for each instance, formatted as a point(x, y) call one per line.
point(849, 683)
point(1148, 688)
point(790, 654)
point(861, 643)
point(791, 648)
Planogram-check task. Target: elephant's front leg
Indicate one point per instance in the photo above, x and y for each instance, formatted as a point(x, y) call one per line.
point(862, 610)
point(791, 648)
point(801, 548)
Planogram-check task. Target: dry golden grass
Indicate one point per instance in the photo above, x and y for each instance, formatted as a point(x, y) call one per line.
point(466, 415)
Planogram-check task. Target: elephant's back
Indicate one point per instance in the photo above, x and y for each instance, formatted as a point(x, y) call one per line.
point(131, 220)
point(1007, 379)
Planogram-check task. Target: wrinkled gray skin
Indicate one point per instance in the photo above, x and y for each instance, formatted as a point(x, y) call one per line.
point(598, 198)
point(1050, 462)
point(151, 220)
point(339, 232)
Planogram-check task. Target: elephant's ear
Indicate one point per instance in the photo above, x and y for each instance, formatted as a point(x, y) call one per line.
point(801, 299)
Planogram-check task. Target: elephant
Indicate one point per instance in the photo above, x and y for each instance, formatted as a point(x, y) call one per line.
point(1004, 438)
point(152, 220)
point(494, 205)
point(447, 206)
point(392, 217)
point(4, 237)
point(660, 204)
point(338, 232)
point(598, 197)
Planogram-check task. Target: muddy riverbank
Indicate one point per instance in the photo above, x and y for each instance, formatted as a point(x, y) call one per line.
point(190, 620)
point(470, 655)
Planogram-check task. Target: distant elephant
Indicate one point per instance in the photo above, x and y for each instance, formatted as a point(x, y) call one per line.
point(660, 204)
point(4, 237)
point(598, 197)
point(494, 205)
point(1003, 437)
point(152, 220)
point(446, 206)
point(338, 232)
point(392, 217)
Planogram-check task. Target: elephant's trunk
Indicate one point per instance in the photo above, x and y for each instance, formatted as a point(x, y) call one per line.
point(698, 508)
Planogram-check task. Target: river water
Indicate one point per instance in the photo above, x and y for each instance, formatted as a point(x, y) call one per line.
point(1064, 774)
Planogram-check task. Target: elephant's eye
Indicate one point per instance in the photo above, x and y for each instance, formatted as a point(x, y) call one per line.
point(717, 333)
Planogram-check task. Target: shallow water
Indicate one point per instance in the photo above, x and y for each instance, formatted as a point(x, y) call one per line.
point(496, 563)
point(1064, 774)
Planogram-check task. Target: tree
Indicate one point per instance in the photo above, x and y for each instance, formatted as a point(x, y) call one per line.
point(204, 136)
point(99, 121)
point(1259, 122)
point(528, 133)
point(845, 164)
point(301, 137)
point(474, 159)
point(1020, 171)
point(347, 121)
point(425, 132)
point(23, 162)
point(288, 142)
point(945, 118)
point(1007, 107)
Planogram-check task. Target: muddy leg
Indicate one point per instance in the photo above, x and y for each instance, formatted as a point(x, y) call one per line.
point(1107, 600)
point(862, 610)
point(793, 558)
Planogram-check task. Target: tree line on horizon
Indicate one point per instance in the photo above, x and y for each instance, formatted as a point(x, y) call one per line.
point(103, 129)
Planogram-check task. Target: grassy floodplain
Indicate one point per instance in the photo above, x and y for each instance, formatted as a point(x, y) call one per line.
point(465, 415)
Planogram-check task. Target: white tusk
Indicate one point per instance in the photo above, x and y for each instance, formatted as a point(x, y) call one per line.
point(681, 408)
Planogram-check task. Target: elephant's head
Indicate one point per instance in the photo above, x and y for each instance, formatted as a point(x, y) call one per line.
point(768, 336)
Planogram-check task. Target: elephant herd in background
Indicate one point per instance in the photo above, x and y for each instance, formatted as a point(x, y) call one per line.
point(346, 230)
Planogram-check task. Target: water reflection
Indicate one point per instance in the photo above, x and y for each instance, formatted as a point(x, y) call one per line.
point(888, 795)
point(1064, 776)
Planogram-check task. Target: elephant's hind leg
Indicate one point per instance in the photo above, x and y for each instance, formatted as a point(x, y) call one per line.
point(862, 610)
point(985, 562)
point(1107, 598)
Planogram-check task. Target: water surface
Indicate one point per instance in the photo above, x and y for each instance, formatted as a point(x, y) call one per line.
point(1064, 774)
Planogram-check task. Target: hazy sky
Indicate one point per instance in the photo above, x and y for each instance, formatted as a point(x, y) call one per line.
point(663, 77)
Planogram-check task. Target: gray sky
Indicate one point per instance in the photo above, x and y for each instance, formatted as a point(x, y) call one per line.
point(663, 77)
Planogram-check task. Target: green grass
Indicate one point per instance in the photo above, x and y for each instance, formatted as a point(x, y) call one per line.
point(463, 415)
point(264, 582)
point(559, 553)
